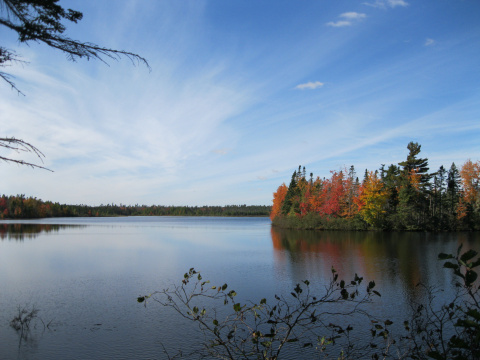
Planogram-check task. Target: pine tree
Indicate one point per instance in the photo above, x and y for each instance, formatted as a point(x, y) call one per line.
point(418, 165)
point(453, 191)
point(291, 193)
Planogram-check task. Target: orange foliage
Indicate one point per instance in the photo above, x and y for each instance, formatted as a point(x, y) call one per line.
point(333, 193)
point(470, 174)
point(414, 178)
point(278, 198)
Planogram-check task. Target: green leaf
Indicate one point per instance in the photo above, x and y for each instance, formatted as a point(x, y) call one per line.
point(470, 277)
point(377, 293)
point(215, 322)
point(450, 265)
point(237, 307)
point(141, 299)
point(388, 322)
point(263, 301)
point(474, 313)
point(435, 355)
point(470, 254)
point(443, 256)
point(475, 263)
point(224, 286)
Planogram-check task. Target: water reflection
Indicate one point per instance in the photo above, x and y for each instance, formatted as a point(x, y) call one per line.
point(392, 259)
point(20, 232)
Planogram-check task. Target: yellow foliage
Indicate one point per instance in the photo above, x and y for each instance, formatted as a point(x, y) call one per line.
point(372, 199)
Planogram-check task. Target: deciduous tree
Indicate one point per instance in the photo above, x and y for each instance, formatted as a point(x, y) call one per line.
point(372, 200)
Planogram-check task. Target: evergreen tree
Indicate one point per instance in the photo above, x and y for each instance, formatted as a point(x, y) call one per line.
point(415, 184)
point(291, 194)
point(419, 165)
point(439, 189)
point(453, 193)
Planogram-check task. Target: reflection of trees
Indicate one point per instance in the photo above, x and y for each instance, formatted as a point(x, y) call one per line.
point(19, 232)
point(394, 259)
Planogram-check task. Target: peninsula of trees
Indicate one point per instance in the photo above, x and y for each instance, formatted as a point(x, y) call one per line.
point(401, 197)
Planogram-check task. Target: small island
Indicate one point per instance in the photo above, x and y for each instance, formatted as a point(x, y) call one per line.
point(402, 197)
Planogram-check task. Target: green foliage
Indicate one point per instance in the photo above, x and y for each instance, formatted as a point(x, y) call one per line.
point(20, 207)
point(312, 221)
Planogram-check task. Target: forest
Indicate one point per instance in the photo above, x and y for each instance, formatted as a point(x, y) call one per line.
point(402, 197)
point(20, 207)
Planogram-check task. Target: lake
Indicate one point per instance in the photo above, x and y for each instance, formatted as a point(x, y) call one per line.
point(85, 274)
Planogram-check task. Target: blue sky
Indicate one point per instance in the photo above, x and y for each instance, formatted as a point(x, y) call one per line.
point(240, 94)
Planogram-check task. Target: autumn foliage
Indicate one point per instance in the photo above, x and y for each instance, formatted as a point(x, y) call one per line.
point(403, 197)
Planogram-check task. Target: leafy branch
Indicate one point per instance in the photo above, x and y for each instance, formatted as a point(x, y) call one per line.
point(300, 321)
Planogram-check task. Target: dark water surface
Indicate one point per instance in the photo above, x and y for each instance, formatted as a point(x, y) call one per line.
point(84, 274)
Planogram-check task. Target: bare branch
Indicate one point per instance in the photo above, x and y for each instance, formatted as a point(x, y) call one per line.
point(18, 145)
point(42, 23)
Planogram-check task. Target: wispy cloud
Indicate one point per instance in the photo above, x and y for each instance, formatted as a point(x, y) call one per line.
point(353, 15)
point(394, 3)
point(223, 151)
point(383, 4)
point(348, 19)
point(429, 42)
point(309, 85)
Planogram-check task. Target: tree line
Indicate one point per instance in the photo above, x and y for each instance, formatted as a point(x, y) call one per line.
point(21, 207)
point(405, 196)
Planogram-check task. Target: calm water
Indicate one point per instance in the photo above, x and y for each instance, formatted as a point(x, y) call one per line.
point(85, 274)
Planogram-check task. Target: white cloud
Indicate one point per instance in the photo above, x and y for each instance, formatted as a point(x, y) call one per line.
point(353, 15)
point(309, 85)
point(382, 4)
point(394, 3)
point(429, 42)
point(339, 23)
point(349, 16)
